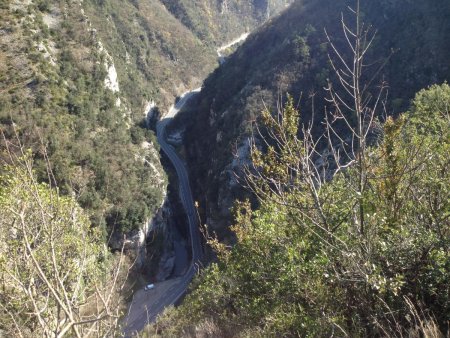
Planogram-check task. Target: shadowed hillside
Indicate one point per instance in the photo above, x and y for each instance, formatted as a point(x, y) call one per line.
point(290, 54)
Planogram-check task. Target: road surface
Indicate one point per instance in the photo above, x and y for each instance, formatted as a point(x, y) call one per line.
point(219, 50)
point(147, 305)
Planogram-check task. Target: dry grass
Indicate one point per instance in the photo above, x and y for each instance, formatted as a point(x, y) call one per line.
point(208, 329)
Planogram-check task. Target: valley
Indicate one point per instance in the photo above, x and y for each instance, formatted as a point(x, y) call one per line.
point(76, 78)
point(146, 306)
point(300, 190)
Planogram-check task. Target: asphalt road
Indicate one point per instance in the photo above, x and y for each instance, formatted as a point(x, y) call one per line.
point(147, 305)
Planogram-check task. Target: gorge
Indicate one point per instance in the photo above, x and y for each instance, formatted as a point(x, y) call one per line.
point(249, 207)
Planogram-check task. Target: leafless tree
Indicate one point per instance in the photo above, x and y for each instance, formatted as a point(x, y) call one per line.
point(353, 100)
point(349, 119)
point(52, 282)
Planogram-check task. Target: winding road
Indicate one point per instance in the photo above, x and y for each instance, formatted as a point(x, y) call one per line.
point(221, 49)
point(147, 305)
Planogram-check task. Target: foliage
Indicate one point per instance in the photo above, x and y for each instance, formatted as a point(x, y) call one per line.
point(53, 97)
point(218, 21)
point(53, 264)
point(300, 268)
point(156, 56)
point(290, 54)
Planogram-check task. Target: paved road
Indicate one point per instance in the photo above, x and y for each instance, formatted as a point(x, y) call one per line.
point(147, 305)
point(219, 50)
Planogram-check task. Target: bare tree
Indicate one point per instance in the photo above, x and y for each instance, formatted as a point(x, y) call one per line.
point(57, 277)
point(294, 170)
point(353, 100)
point(310, 161)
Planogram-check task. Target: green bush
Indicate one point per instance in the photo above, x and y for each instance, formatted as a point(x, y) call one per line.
point(298, 269)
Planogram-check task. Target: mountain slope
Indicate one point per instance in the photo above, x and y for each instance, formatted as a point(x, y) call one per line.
point(215, 21)
point(290, 54)
point(62, 99)
point(79, 79)
point(156, 56)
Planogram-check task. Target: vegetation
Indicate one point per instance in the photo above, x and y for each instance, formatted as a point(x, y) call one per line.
point(57, 276)
point(290, 54)
point(156, 56)
point(216, 21)
point(302, 264)
point(53, 97)
point(351, 237)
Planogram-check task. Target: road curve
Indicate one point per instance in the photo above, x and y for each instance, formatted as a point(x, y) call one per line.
point(219, 50)
point(147, 305)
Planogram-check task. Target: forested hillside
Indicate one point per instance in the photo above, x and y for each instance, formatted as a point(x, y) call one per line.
point(290, 54)
point(156, 56)
point(216, 21)
point(333, 257)
point(78, 165)
point(61, 98)
point(75, 81)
